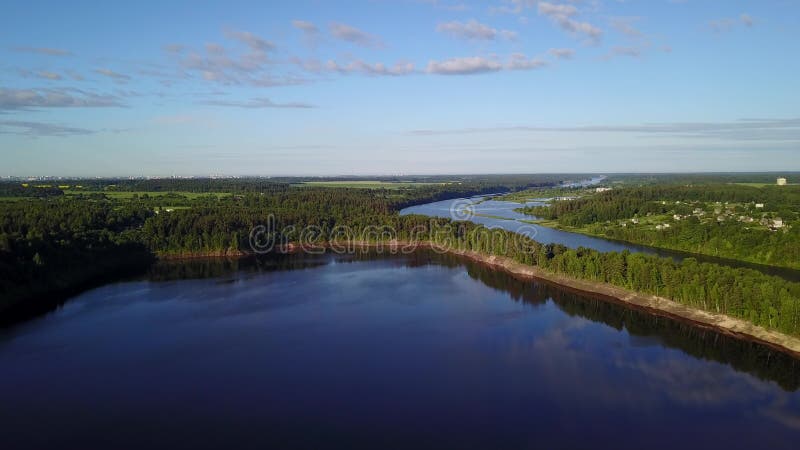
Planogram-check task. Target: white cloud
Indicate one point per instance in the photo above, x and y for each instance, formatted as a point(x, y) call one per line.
point(305, 26)
point(354, 35)
point(625, 26)
point(478, 64)
point(359, 66)
point(44, 74)
point(44, 51)
point(354, 66)
point(464, 66)
point(726, 24)
point(257, 103)
point(518, 61)
point(563, 16)
point(116, 76)
point(592, 32)
point(231, 66)
point(23, 99)
point(562, 53)
point(438, 4)
point(174, 48)
point(311, 33)
point(472, 29)
point(550, 9)
point(48, 75)
point(633, 52)
point(513, 7)
point(251, 40)
point(27, 128)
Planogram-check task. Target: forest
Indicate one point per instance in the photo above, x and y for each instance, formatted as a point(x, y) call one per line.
point(60, 243)
point(57, 236)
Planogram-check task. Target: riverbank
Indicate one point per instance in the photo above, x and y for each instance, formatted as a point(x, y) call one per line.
point(552, 234)
point(652, 304)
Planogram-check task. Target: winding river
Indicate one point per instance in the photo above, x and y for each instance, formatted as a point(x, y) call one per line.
point(500, 214)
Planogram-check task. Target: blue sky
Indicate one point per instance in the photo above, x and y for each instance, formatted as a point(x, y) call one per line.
point(398, 86)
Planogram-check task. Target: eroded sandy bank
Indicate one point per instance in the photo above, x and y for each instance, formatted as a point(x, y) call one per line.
point(653, 304)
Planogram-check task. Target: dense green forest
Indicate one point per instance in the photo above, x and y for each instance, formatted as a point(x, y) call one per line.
point(59, 235)
point(56, 243)
point(724, 220)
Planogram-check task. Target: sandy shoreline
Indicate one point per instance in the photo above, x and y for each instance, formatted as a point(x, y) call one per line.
point(650, 303)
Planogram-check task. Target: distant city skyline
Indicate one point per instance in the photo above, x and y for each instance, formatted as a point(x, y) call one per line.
point(386, 87)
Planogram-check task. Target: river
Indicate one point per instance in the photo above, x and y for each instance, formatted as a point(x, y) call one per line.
point(379, 351)
point(500, 214)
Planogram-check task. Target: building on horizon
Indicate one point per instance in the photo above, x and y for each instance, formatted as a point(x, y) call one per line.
point(781, 181)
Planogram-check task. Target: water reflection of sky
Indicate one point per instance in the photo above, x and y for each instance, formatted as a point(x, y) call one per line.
point(417, 355)
point(513, 221)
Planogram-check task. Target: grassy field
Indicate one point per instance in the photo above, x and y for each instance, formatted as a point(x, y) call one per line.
point(365, 184)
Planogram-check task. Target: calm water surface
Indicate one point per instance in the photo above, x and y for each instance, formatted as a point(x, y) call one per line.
point(501, 214)
point(415, 351)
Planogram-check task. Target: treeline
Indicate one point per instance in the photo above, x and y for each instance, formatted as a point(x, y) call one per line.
point(751, 295)
point(440, 185)
point(741, 354)
point(57, 243)
point(762, 299)
point(53, 244)
point(18, 190)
